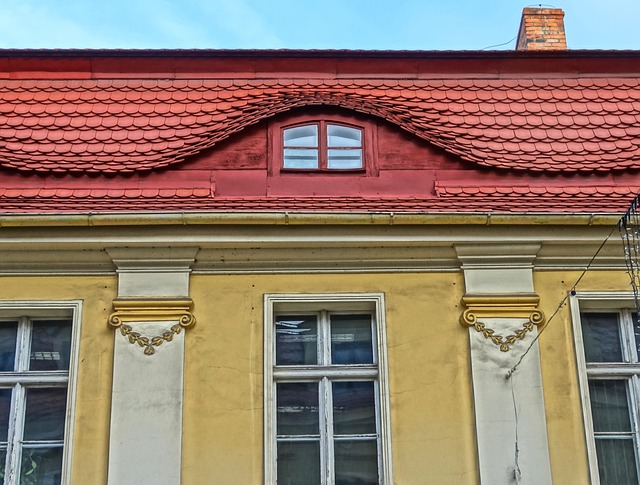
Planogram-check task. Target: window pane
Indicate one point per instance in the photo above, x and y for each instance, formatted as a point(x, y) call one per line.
point(609, 406)
point(616, 461)
point(5, 408)
point(343, 136)
point(636, 333)
point(8, 333)
point(41, 466)
point(601, 335)
point(344, 159)
point(298, 463)
point(50, 345)
point(356, 462)
point(297, 408)
point(45, 413)
point(301, 136)
point(351, 339)
point(296, 340)
point(3, 459)
point(354, 409)
point(300, 158)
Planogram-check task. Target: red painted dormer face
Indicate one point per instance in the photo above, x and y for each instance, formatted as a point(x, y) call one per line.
point(372, 157)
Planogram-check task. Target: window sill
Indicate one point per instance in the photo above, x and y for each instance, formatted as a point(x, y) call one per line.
point(323, 171)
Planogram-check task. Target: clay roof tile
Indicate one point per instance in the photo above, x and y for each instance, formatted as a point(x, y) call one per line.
point(165, 103)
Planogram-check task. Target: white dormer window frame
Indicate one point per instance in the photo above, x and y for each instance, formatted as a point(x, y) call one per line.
point(322, 146)
point(322, 143)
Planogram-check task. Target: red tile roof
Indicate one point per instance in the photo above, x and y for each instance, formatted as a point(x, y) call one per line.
point(564, 125)
point(532, 191)
point(463, 199)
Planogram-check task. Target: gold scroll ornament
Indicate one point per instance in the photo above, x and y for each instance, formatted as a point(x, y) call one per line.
point(137, 310)
point(491, 306)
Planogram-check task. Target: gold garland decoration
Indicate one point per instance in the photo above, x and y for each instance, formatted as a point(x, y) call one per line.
point(486, 306)
point(129, 310)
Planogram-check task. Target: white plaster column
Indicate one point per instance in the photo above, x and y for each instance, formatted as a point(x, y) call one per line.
point(502, 316)
point(151, 315)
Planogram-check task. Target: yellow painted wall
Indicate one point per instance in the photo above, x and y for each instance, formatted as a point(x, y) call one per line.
point(431, 396)
point(559, 372)
point(431, 399)
point(93, 399)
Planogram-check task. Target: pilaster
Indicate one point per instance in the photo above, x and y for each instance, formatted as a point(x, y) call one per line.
point(150, 317)
point(502, 315)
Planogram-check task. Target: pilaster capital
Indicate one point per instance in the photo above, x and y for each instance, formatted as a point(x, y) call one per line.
point(129, 310)
point(514, 306)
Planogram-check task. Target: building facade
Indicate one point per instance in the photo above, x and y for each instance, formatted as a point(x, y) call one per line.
point(292, 267)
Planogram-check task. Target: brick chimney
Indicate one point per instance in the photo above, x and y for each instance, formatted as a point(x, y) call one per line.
point(542, 29)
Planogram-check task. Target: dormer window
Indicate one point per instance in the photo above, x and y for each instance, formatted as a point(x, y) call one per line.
point(321, 141)
point(322, 146)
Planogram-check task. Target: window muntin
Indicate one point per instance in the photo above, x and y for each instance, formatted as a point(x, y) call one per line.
point(610, 346)
point(34, 378)
point(326, 399)
point(322, 145)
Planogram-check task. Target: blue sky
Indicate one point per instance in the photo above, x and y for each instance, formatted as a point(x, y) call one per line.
point(300, 24)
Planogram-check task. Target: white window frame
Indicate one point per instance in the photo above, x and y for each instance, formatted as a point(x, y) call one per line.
point(71, 309)
point(595, 301)
point(322, 147)
point(369, 302)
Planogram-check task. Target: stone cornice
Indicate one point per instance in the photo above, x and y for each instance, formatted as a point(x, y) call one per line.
point(153, 258)
point(502, 255)
point(286, 218)
point(278, 248)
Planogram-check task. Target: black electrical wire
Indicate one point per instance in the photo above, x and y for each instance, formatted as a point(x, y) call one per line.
point(561, 304)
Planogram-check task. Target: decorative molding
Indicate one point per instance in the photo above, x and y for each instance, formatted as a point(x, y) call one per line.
point(147, 310)
point(502, 306)
point(391, 243)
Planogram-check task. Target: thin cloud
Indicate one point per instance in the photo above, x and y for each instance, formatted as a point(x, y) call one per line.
point(37, 26)
point(133, 24)
point(169, 24)
point(356, 24)
point(236, 24)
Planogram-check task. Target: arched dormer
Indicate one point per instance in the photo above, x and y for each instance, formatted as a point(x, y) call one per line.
point(322, 139)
